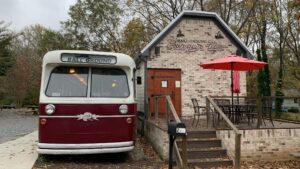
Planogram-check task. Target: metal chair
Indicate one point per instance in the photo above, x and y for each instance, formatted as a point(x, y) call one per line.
point(224, 105)
point(251, 112)
point(199, 111)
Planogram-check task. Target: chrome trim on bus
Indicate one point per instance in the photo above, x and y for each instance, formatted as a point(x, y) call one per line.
point(85, 151)
point(98, 116)
point(85, 146)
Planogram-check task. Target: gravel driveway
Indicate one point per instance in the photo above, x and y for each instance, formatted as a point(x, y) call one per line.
point(15, 123)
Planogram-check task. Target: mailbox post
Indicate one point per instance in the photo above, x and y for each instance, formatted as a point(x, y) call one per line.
point(174, 130)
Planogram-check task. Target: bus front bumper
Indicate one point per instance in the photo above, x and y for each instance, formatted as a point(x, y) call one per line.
point(94, 148)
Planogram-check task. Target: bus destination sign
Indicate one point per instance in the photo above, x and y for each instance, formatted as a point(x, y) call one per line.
point(85, 58)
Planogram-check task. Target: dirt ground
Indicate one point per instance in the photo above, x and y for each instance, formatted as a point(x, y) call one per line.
point(143, 157)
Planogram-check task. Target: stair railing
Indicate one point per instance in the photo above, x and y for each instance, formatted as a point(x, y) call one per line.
point(181, 158)
point(237, 154)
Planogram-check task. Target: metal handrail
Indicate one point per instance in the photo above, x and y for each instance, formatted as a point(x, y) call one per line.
point(181, 159)
point(237, 156)
point(155, 98)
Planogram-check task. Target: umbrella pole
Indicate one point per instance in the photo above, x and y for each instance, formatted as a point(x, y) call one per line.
point(231, 64)
point(231, 83)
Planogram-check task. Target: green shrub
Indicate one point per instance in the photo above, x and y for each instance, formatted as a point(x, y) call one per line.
point(31, 97)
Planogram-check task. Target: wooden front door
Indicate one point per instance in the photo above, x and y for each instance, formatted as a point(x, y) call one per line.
point(164, 82)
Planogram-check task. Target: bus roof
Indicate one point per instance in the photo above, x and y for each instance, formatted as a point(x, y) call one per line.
point(55, 57)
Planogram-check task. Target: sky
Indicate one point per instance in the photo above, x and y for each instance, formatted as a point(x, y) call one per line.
point(22, 13)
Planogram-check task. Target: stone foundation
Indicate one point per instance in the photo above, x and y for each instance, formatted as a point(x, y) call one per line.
point(158, 138)
point(263, 144)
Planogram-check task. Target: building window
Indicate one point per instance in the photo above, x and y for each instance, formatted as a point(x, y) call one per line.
point(157, 50)
point(164, 84)
point(139, 80)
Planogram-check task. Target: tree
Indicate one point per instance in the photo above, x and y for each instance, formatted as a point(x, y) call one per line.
point(261, 23)
point(94, 25)
point(260, 76)
point(22, 82)
point(6, 60)
point(280, 23)
point(158, 13)
point(292, 71)
point(134, 37)
point(235, 13)
point(18, 81)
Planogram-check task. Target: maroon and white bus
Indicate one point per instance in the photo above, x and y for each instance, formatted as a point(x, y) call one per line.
point(87, 103)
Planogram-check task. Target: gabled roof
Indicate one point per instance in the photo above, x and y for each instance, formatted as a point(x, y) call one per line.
point(146, 51)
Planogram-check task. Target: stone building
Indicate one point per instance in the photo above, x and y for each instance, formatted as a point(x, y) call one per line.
point(169, 64)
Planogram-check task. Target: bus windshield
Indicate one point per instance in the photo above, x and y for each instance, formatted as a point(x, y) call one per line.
point(73, 82)
point(68, 82)
point(109, 83)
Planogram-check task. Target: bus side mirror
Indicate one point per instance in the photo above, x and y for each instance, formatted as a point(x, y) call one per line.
point(176, 129)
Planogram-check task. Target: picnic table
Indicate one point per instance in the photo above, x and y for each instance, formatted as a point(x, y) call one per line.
point(10, 106)
point(32, 109)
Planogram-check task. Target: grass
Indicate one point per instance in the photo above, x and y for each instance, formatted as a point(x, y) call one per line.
point(289, 116)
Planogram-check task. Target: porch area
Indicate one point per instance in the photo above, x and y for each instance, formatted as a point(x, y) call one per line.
point(216, 140)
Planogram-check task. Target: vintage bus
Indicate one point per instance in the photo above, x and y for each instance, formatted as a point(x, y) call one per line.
point(87, 103)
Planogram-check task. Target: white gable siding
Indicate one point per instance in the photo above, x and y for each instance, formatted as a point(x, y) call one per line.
point(140, 87)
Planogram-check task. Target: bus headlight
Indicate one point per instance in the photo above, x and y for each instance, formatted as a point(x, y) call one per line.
point(123, 109)
point(50, 109)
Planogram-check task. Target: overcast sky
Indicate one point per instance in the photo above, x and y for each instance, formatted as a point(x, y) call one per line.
point(21, 13)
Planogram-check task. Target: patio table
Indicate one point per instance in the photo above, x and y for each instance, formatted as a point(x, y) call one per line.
point(236, 112)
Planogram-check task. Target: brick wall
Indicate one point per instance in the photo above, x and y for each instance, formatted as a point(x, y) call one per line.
point(198, 45)
point(263, 144)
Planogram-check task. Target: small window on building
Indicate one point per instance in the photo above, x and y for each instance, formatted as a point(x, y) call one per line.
point(139, 80)
point(164, 84)
point(177, 84)
point(157, 50)
point(296, 100)
point(238, 52)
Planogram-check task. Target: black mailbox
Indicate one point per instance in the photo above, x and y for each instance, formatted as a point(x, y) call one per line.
point(176, 129)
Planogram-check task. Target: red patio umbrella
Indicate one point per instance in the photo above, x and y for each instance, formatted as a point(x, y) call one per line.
point(233, 62)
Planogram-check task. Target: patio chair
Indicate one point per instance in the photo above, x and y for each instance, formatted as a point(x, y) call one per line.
point(198, 111)
point(224, 104)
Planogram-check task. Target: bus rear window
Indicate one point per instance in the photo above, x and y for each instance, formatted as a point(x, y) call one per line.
point(68, 82)
point(109, 83)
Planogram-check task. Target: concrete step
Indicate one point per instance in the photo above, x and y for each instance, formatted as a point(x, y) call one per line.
point(208, 163)
point(197, 153)
point(202, 143)
point(202, 134)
